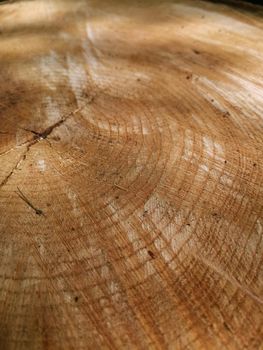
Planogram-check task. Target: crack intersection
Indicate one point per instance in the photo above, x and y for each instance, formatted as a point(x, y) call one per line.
point(38, 136)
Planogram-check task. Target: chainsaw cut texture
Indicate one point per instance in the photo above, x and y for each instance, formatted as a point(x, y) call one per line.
point(131, 175)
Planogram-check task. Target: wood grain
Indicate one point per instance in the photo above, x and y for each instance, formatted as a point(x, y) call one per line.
point(131, 175)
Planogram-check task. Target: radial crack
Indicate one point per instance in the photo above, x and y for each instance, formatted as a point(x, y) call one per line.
point(44, 134)
point(18, 163)
point(38, 136)
point(6, 179)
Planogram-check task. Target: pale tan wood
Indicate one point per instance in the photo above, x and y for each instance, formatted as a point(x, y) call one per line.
point(130, 175)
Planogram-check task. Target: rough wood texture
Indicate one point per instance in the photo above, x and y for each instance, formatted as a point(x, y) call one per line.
point(131, 175)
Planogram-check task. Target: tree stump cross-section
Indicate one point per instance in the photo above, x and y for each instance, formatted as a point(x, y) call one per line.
point(131, 182)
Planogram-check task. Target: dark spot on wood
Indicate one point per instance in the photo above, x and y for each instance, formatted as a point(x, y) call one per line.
point(56, 138)
point(39, 212)
point(151, 254)
point(216, 216)
point(85, 94)
point(72, 229)
point(48, 205)
point(227, 327)
point(197, 52)
point(188, 224)
point(225, 161)
point(76, 299)
point(254, 164)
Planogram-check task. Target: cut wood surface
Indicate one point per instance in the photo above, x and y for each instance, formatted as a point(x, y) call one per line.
point(131, 184)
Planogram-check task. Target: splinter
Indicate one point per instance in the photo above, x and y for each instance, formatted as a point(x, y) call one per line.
point(26, 200)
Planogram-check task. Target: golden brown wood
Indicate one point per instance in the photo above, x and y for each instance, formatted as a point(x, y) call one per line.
point(131, 175)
